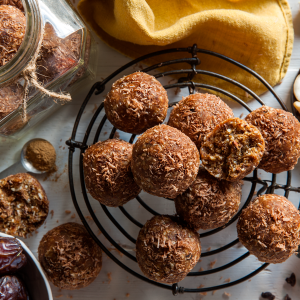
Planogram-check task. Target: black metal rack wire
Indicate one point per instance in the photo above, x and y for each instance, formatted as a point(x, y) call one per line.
point(268, 186)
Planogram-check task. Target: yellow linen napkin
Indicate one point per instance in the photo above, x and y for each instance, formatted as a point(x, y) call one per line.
point(257, 33)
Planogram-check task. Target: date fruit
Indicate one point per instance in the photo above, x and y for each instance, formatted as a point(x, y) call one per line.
point(12, 288)
point(12, 257)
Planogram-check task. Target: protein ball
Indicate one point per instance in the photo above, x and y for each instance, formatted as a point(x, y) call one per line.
point(209, 203)
point(107, 172)
point(12, 32)
point(70, 257)
point(281, 131)
point(198, 114)
point(232, 150)
point(136, 103)
point(269, 228)
point(166, 250)
point(164, 161)
point(24, 205)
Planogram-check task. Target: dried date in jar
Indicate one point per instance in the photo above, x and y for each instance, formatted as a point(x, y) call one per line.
point(12, 288)
point(12, 257)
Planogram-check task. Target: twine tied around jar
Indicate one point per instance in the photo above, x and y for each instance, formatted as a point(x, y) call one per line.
point(30, 77)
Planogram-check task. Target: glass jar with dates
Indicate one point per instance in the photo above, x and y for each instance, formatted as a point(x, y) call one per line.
point(52, 33)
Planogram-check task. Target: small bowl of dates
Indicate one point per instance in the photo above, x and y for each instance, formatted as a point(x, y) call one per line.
point(21, 276)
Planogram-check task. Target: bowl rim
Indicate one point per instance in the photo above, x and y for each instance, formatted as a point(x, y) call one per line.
point(36, 262)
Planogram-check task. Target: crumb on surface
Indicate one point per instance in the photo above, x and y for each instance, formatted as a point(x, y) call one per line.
point(89, 218)
point(291, 280)
point(52, 213)
point(227, 280)
point(177, 91)
point(212, 263)
point(268, 295)
point(119, 252)
point(109, 277)
point(67, 212)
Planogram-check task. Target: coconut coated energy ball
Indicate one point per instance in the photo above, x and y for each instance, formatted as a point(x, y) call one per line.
point(209, 203)
point(270, 228)
point(136, 103)
point(232, 150)
point(166, 250)
point(164, 161)
point(107, 172)
point(198, 114)
point(70, 257)
point(281, 132)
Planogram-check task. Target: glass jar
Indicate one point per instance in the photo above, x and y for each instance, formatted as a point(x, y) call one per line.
point(67, 56)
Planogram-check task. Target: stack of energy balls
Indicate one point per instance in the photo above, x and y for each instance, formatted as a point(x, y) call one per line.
point(165, 162)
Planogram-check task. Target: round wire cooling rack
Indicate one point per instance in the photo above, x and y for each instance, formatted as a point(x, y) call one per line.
point(96, 123)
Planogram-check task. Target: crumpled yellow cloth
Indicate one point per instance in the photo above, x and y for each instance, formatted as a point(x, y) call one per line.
point(257, 33)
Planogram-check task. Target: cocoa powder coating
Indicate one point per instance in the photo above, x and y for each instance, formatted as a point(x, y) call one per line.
point(136, 103)
point(107, 172)
point(232, 150)
point(12, 32)
point(270, 228)
point(281, 132)
point(24, 205)
point(166, 250)
point(41, 154)
point(198, 114)
point(209, 203)
point(164, 161)
point(69, 256)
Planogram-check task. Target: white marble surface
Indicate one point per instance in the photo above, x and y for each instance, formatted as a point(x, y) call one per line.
point(113, 282)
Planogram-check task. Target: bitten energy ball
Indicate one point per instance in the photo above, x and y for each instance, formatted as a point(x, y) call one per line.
point(166, 250)
point(70, 257)
point(281, 131)
point(136, 103)
point(270, 228)
point(198, 114)
point(24, 205)
point(12, 32)
point(209, 203)
point(107, 172)
point(164, 161)
point(232, 150)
